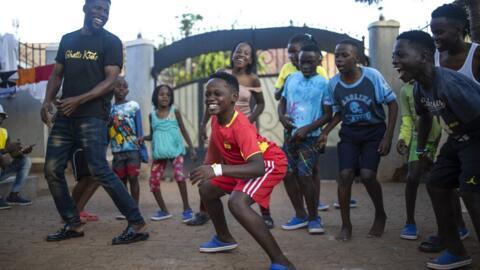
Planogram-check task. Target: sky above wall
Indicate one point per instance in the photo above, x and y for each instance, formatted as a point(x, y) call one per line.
point(47, 20)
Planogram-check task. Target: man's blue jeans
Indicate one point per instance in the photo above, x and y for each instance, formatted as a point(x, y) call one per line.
point(91, 134)
point(20, 167)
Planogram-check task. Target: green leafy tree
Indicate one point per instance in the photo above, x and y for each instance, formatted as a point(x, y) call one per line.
point(187, 22)
point(201, 66)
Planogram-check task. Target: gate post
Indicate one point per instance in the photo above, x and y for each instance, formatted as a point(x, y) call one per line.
point(382, 35)
point(138, 68)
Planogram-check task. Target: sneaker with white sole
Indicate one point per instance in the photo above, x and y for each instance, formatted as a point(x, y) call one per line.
point(295, 223)
point(215, 245)
point(463, 233)
point(353, 204)
point(160, 215)
point(315, 226)
point(16, 199)
point(322, 206)
point(187, 215)
point(409, 232)
point(120, 217)
point(4, 205)
point(447, 261)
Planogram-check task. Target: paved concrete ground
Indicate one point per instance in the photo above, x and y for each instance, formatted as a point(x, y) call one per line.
point(173, 245)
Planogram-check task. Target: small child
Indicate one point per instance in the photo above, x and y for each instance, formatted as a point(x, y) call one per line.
point(166, 130)
point(358, 96)
point(240, 162)
point(125, 129)
point(304, 108)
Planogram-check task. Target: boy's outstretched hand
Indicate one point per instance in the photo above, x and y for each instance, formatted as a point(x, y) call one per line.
point(202, 173)
point(384, 147)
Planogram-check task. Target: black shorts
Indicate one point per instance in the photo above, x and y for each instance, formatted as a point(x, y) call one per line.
point(457, 166)
point(358, 146)
point(79, 164)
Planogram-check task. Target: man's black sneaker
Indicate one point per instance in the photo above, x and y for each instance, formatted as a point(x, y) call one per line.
point(4, 205)
point(199, 219)
point(64, 234)
point(16, 199)
point(268, 222)
point(129, 235)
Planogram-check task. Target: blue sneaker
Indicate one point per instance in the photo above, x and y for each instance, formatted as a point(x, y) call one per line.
point(409, 232)
point(322, 206)
point(464, 233)
point(160, 215)
point(276, 266)
point(295, 223)
point(187, 215)
point(216, 245)
point(315, 226)
point(447, 260)
point(353, 204)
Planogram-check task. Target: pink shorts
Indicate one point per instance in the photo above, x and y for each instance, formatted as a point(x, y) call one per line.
point(260, 188)
point(158, 170)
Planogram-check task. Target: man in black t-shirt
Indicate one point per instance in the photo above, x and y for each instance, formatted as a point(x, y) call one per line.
point(455, 100)
point(88, 61)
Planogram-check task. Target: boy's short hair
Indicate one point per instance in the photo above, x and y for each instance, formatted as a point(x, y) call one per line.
point(419, 38)
point(310, 48)
point(303, 38)
point(358, 47)
point(352, 43)
point(453, 12)
point(155, 94)
point(231, 81)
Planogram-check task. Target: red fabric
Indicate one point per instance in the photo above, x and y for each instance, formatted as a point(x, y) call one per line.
point(236, 141)
point(43, 73)
point(259, 189)
point(129, 170)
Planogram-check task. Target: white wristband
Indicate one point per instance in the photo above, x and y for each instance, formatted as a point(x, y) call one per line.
point(217, 169)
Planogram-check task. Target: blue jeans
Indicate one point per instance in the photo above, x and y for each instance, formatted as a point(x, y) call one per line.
point(90, 134)
point(20, 167)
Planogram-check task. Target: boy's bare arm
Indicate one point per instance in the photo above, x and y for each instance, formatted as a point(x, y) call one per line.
point(254, 167)
point(386, 143)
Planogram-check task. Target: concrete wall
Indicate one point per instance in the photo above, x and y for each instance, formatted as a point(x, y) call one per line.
point(24, 121)
point(382, 35)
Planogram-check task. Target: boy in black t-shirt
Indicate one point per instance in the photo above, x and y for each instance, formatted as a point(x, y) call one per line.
point(454, 99)
point(88, 61)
